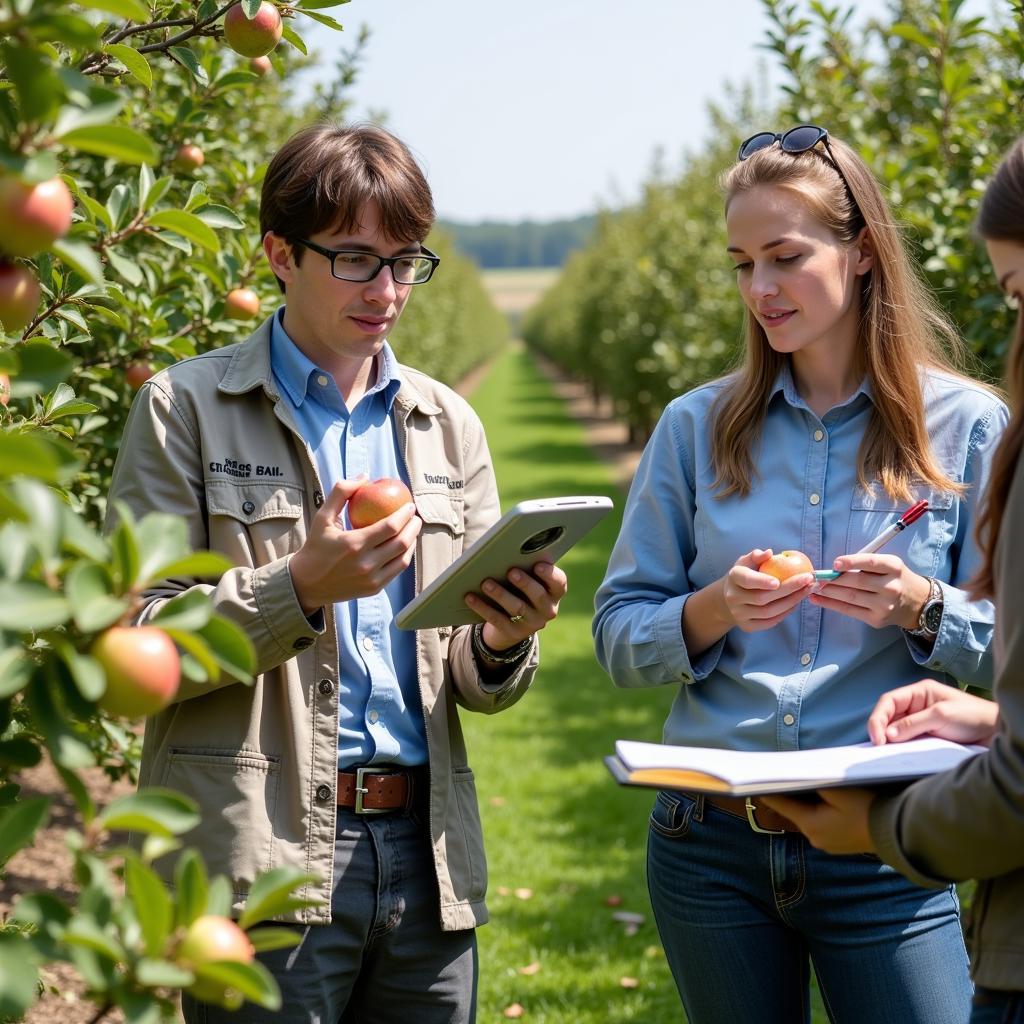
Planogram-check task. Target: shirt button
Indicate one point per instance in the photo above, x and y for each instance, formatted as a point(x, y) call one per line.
point(815, 498)
point(373, 716)
point(367, 644)
point(248, 507)
point(326, 687)
point(318, 498)
point(788, 719)
point(323, 792)
point(805, 659)
point(322, 380)
point(819, 434)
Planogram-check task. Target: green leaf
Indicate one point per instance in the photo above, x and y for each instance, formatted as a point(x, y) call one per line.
point(129, 10)
point(188, 225)
point(86, 673)
point(162, 974)
point(319, 5)
point(189, 611)
point(191, 62)
point(19, 752)
point(19, 975)
point(78, 117)
point(323, 19)
point(196, 565)
point(264, 939)
point(152, 904)
point(156, 192)
point(128, 269)
point(39, 90)
point(230, 646)
point(31, 607)
point(89, 590)
point(161, 812)
point(294, 38)
point(83, 930)
point(42, 368)
point(80, 257)
point(220, 217)
point(219, 897)
point(197, 662)
point(42, 458)
point(252, 980)
point(15, 671)
point(126, 554)
point(270, 895)
point(19, 823)
point(192, 887)
point(79, 793)
point(114, 140)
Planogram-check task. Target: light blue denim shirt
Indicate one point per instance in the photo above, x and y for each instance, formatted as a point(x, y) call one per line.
point(380, 716)
point(812, 680)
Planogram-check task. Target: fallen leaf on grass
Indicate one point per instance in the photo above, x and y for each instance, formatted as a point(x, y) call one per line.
point(530, 968)
point(627, 982)
point(503, 890)
point(497, 801)
point(515, 1010)
point(524, 894)
point(613, 901)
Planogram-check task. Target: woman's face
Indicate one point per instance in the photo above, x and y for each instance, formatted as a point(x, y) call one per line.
point(797, 279)
point(1008, 263)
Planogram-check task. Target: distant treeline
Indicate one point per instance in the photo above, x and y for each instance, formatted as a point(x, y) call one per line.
point(526, 244)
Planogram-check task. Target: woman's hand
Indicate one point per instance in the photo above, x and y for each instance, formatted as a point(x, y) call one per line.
point(754, 600)
point(837, 824)
point(931, 708)
point(881, 592)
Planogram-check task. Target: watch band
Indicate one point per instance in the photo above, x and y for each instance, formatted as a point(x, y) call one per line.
point(934, 598)
point(506, 657)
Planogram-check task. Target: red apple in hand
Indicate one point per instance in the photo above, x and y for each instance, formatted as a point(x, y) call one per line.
point(786, 564)
point(375, 500)
point(256, 37)
point(212, 939)
point(143, 669)
point(32, 217)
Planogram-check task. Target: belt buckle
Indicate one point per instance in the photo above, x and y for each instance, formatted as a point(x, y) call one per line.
point(361, 790)
point(751, 809)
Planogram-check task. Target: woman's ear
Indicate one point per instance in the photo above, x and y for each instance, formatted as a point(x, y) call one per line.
point(865, 250)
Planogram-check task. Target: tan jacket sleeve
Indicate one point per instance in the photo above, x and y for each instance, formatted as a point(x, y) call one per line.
point(159, 469)
point(969, 822)
point(482, 509)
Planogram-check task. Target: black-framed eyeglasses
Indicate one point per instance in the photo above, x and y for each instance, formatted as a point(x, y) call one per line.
point(356, 265)
point(797, 140)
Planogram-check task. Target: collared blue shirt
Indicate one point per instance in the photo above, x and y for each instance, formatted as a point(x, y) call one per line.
point(380, 718)
point(811, 680)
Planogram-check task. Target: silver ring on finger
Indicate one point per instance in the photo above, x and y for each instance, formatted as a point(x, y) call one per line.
point(516, 618)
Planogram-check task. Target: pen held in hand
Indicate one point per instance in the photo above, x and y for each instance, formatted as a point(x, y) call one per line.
point(911, 515)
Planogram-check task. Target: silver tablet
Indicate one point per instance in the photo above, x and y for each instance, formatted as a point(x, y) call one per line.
point(530, 532)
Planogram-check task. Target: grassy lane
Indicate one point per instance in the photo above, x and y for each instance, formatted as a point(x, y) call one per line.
point(558, 830)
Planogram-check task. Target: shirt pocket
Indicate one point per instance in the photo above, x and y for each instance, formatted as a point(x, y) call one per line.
point(254, 523)
point(236, 791)
point(443, 530)
point(922, 544)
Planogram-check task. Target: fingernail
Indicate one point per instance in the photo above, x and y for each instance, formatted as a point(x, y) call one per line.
point(892, 732)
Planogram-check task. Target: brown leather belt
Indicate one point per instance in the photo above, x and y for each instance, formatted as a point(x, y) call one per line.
point(759, 817)
point(370, 791)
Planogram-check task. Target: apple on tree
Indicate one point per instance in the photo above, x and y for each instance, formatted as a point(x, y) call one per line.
point(33, 216)
point(375, 500)
point(254, 37)
point(214, 939)
point(188, 158)
point(261, 66)
point(241, 304)
point(137, 372)
point(19, 296)
point(786, 564)
point(143, 670)
point(5, 389)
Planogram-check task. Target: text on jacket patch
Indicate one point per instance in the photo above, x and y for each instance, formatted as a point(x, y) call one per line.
point(245, 469)
point(452, 485)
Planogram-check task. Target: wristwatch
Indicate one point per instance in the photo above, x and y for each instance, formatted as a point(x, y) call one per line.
point(930, 619)
point(506, 657)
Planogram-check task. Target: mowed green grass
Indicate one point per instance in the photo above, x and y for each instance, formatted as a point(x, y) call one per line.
point(566, 846)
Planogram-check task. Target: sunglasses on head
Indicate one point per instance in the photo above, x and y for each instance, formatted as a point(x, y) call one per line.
point(797, 140)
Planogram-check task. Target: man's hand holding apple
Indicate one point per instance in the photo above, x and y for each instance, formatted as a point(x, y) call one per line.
point(338, 564)
point(881, 592)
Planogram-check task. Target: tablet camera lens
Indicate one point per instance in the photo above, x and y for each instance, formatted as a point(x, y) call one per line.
point(541, 540)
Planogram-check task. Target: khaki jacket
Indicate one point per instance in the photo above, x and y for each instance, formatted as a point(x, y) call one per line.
point(208, 440)
point(969, 822)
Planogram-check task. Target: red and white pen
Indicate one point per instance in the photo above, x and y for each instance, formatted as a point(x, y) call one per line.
point(912, 514)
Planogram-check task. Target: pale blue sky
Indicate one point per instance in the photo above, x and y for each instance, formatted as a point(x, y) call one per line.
point(547, 108)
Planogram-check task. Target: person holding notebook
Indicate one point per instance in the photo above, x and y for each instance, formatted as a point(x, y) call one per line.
point(845, 412)
point(969, 822)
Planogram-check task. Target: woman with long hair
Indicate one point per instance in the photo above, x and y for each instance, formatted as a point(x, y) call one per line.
point(967, 823)
point(847, 409)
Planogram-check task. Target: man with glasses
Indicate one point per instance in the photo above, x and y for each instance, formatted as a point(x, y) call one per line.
point(346, 757)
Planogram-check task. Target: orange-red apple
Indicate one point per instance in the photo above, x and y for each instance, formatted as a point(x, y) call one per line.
point(19, 296)
point(143, 669)
point(212, 939)
point(253, 38)
point(785, 564)
point(188, 158)
point(241, 304)
point(32, 217)
point(137, 372)
point(261, 66)
point(375, 500)
point(5, 389)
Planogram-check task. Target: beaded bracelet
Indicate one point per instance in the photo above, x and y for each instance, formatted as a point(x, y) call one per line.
point(481, 648)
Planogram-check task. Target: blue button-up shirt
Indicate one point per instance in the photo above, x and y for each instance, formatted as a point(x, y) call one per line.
point(380, 717)
point(812, 680)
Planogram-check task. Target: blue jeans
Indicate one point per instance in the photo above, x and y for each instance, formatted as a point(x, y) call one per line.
point(992, 1007)
point(743, 916)
point(383, 959)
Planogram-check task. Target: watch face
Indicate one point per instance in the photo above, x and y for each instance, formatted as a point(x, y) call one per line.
point(933, 617)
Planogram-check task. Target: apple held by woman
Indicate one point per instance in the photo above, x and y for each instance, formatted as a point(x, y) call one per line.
point(375, 500)
point(786, 564)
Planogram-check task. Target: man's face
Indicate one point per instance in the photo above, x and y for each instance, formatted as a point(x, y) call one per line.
point(330, 319)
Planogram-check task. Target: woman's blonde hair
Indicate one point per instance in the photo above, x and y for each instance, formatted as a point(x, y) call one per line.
point(902, 330)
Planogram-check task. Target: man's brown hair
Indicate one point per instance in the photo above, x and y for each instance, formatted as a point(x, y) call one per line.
point(324, 175)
